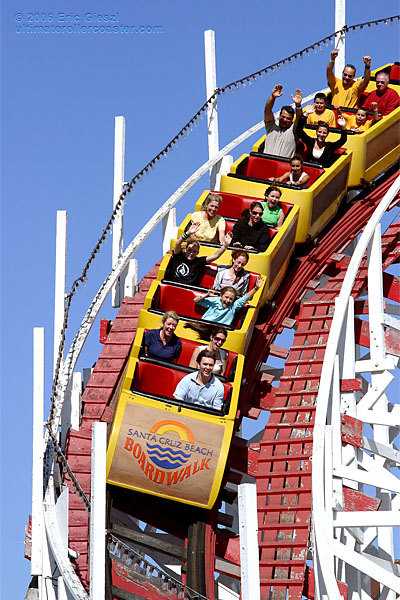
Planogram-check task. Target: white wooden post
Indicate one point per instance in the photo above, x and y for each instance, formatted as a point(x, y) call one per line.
point(98, 512)
point(131, 278)
point(170, 229)
point(212, 110)
point(248, 534)
point(59, 287)
point(37, 452)
point(340, 46)
point(71, 412)
point(378, 355)
point(118, 224)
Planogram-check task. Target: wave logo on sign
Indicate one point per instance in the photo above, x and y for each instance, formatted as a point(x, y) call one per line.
point(168, 453)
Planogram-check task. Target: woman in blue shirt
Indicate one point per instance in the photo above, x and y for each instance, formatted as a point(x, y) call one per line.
point(163, 343)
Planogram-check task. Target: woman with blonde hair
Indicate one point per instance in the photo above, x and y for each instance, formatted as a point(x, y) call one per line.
point(211, 225)
point(163, 343)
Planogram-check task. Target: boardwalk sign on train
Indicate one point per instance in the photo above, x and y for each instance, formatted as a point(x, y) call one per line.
point(175, 457)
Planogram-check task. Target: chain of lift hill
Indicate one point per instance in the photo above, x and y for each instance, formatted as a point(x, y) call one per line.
point(191, 594)
point(249, 79)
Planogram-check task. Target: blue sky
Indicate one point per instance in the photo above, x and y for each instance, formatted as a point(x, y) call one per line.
point(60, 94)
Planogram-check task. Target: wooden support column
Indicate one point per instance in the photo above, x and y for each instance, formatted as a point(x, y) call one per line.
point(248, 533)
point(59, 286)
point(118, 224)
point(212, 110)
point(340, 21)
point(98, 512)
point(37, 452)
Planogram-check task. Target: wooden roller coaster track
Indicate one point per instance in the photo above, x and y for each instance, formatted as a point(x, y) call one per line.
point(281, 461)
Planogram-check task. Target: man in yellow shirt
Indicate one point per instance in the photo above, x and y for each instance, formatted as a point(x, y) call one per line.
point(346, 92)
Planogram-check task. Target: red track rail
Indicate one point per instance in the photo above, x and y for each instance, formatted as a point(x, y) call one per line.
point(283, 552)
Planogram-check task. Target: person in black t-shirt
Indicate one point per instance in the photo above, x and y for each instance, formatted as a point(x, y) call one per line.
point(250, 232)
point(185, 265)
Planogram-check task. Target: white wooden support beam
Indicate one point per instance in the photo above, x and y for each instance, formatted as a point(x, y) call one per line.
point(118, 224)
point(71, 414)
point(375, 297)
point(374, 393)
point(389, 453)
point(248, 534)
point(37, 451)
point(62, 589)
point(340, 46)
point(363, 564)
point(98, 512)
point(59, 286)
point(379, 478)
point(224, 167)
point(131, 278)
point(170, 229)
point(212, 110)
point(371, 518)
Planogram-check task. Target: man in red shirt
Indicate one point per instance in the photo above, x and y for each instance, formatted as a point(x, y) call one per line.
point(386, 98)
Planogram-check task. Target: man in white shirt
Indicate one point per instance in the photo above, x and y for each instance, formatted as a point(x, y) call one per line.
point(281, 139)
point(202, 387)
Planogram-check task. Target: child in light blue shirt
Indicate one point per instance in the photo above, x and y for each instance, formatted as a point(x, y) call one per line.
point(222, 309)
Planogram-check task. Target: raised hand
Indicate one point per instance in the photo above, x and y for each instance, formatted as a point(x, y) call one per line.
point(193, 228)
point(374, 106)
point(367, 61)
point(298, 96)
point(309, 109)
point(212, 292)
point(259, 282)
point(277, 91)
point(341, 122)
point(334, 55)
point(228, 239)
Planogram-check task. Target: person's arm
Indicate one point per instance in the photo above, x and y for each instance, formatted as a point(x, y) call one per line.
point(343, 135)
point(146, 343)
point(191, 231)
point(227, 242)
point(375, 116)
point(392, 103)
point(264, 239)
point(181, 389)
point(297, 99)
point(218, 400)
point(282, 215)
point(258, 284)
point(276, 93)
point(193, 361)
point(282, 179)
point(178, 352)
point(300, 125)
point(200, 297)
point(329, 69)
point(367, 74)
point(221, 231)
point(237, 232)
point(224, 363)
